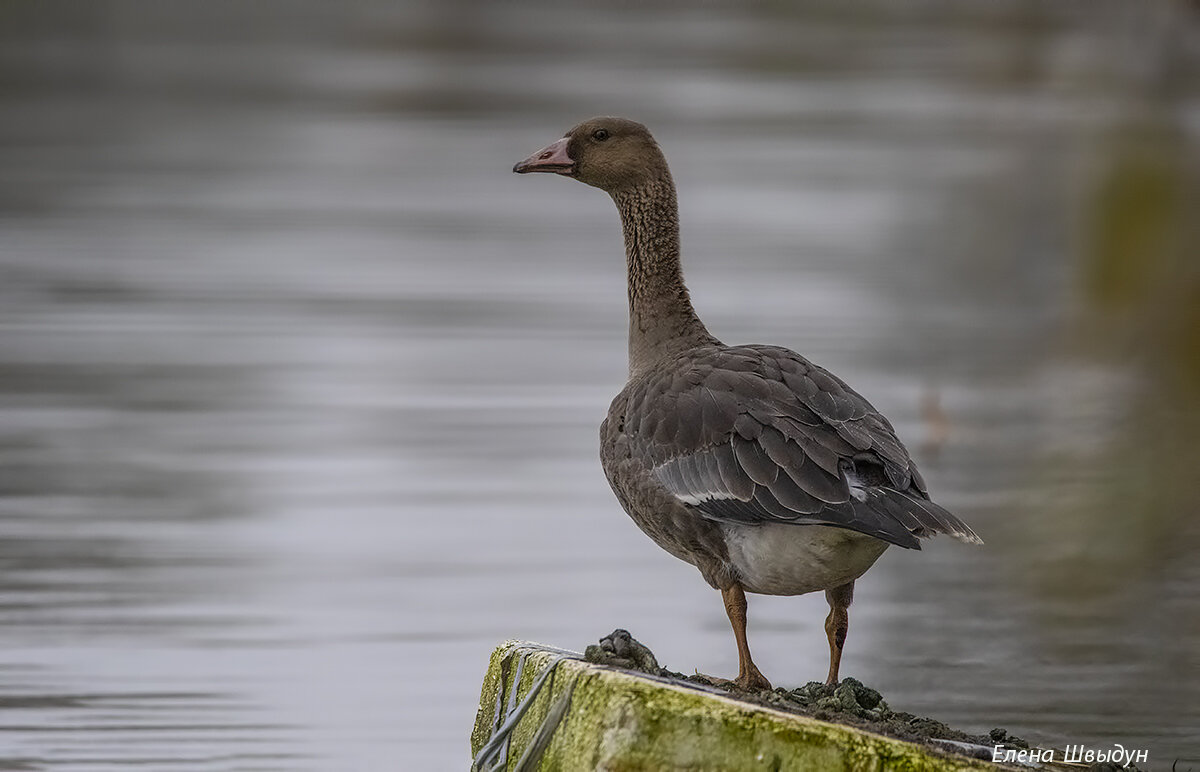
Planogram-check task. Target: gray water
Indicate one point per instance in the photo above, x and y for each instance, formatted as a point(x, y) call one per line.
point(300, 386)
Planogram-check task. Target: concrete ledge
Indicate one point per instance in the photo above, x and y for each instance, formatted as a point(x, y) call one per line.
point(596, 717)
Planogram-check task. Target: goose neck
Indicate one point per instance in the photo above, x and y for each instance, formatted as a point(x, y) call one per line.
point(662, 321)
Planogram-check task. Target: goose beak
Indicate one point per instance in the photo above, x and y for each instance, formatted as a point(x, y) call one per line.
point(552, 158)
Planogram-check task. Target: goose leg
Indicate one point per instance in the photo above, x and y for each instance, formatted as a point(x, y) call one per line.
point(836, 625)
point(735, 606)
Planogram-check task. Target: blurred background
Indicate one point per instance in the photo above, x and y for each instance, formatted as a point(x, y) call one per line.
point(300, 386)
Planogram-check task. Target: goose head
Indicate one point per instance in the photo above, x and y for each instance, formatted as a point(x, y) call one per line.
point(607, 153)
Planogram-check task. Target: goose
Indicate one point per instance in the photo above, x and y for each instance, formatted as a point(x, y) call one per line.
point(763, 470)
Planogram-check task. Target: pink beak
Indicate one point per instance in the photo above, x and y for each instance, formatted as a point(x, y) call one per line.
point(552, 158)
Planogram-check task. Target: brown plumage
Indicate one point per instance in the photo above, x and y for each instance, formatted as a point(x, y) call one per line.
point(763, 470)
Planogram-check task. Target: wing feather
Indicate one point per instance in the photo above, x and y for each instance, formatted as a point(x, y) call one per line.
point(819, 484)
point(793, 497)
point(755, 461)
point(737, 480)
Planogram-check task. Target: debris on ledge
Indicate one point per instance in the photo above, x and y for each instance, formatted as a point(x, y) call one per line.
point(615, 708)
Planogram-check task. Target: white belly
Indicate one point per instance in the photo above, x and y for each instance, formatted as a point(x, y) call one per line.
point(794, 559)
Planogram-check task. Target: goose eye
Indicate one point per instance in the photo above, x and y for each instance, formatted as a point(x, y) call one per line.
point(600, 135)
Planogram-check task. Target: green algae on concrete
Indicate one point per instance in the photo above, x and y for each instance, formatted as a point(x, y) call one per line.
point(615, 720)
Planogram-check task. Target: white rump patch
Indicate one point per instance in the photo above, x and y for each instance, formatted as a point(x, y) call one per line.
point(856, 487)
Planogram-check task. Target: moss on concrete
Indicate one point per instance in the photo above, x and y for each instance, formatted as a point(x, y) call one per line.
point(619, 721)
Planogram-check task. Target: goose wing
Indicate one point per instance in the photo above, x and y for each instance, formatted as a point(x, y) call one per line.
point(755, 434)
